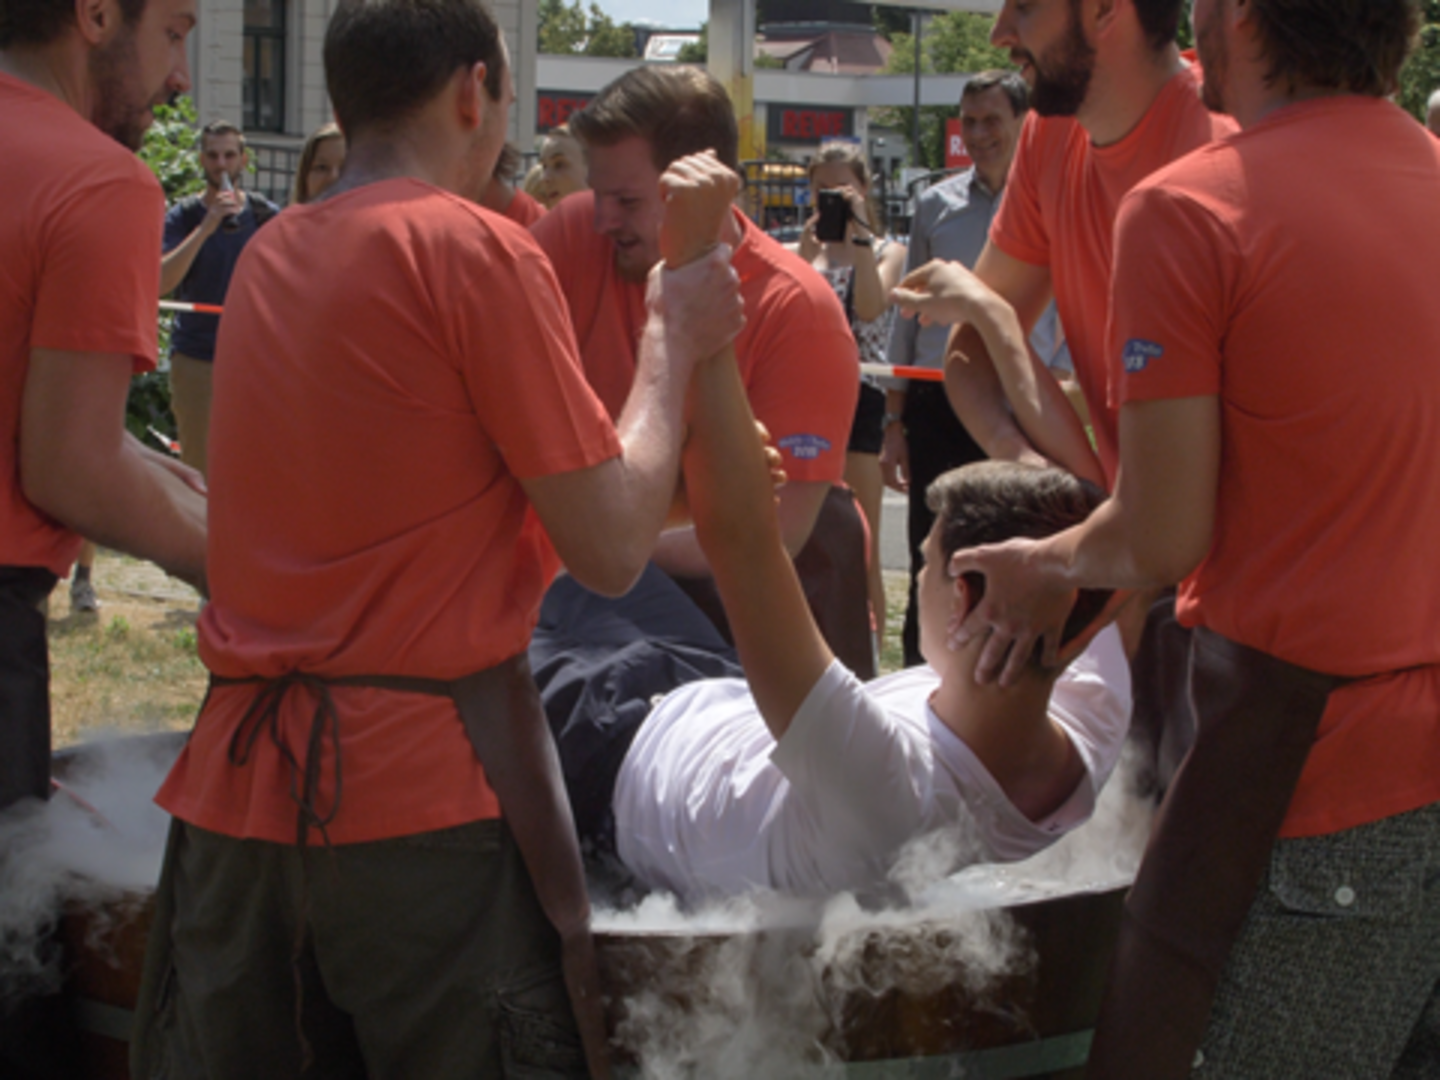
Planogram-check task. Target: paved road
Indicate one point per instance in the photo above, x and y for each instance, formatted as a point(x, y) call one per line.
point(893, 552)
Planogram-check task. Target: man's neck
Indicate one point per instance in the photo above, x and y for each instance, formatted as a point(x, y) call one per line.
point(56, 68)
point(992, 182)
point(1122, 93)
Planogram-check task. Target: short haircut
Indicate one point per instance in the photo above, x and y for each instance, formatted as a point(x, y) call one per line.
point(1160, 19)
point(385, 59)
point(987, 502)
point(39, 22)
point(221, 127)
point(677, 109)
point(507, 165)
point(1009, 81)
point(307, 158)
point(1353, 46)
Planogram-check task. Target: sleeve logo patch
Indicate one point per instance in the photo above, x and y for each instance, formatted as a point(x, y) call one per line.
point(804, 447)
point(1139, 352)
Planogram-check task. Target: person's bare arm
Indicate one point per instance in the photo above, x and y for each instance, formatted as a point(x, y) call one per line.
point(731, 499)
point(176, 262)
point(604, 520)
point(875, 275)
point(1154, 531)
point(79, 465)
point(797, 506)
point(980, 379)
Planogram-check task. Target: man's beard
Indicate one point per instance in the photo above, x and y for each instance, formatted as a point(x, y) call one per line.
point(1064, 80)
point(113, 72)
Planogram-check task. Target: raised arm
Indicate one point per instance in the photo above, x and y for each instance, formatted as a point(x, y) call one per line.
point(1002, 392)
point(604, 520)
point(731, 498)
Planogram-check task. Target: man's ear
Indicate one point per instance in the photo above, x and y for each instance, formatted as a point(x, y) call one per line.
point(471, 97)
point(97, 20)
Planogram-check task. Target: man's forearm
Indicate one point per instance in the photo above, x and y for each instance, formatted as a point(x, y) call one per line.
point(176, 262)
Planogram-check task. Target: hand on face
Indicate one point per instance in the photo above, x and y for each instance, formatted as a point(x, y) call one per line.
point(698, 192)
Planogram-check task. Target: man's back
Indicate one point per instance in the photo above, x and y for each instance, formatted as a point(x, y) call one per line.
point(398, 364)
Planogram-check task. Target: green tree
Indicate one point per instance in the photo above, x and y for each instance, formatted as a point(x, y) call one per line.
point(1420, 76)
point(956, 42)
point(569, 30)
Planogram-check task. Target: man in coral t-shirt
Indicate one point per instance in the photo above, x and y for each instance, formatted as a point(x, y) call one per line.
point(1272, 352)
point(796, 353)
point(79, 219)
point(80, 223)
point(1111, 104)
point(369, 819)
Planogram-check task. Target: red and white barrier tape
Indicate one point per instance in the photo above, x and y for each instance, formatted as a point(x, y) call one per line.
point(200, 309)
point(896, 371)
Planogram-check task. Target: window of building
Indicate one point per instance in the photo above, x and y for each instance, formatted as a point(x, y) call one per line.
point(264, 61)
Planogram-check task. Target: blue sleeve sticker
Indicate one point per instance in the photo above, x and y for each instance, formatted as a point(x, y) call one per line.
point(804, 447)
point(1139, 352)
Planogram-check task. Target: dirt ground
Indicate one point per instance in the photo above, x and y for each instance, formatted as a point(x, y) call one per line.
point(133, 666)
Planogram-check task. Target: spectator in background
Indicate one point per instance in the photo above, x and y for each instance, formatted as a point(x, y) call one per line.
point(204, 235)
point(83, 600)
point(320, 163)
point(503, 197)
point(922, 437)
point(1432, 113)
point(862, 267)
point(562, 165)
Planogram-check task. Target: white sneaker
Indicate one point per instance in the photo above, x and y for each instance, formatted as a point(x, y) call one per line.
point(83, 598)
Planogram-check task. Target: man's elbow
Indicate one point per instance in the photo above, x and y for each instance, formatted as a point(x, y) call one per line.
point(49, 486)
point(609, 569)
point(1159, 565)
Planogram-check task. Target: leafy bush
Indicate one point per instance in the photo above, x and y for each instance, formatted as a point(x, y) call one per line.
point(169, 150)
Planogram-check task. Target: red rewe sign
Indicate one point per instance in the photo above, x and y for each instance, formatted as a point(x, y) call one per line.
point(802, 124)
point(955, 155)
point(555, 108)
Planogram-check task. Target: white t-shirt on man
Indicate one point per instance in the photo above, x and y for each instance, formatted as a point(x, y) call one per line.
point(707, 803)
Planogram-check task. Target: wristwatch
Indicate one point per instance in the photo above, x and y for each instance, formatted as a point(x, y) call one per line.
point(890, 418)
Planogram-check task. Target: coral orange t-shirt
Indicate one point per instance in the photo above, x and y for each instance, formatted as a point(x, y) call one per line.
point(796, 354)
point(392, 359)
point(1059, 211)
point(1296, 284)
point(524, 210)
point(80, 223)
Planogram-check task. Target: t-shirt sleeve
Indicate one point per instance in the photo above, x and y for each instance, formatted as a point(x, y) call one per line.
point(1019, 226)
point(802, 377)
point(99, 285)
point(1092, 701)
point(1168, 299)
point(175, 230)
point(860, 772)
point(524, 375)
point(904, 330)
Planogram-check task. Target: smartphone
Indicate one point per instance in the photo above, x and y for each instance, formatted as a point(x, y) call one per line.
point(834, 216)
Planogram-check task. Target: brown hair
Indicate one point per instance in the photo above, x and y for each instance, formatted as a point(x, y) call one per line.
point(221, 127)
point(307, 158)
point(1160, 19)
point(39, 22)
point(1014, 86)
point(990, 501)
point(1355, 46)
point(677, 109)
point(384, 59)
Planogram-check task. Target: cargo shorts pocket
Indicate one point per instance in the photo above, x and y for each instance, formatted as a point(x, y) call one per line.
point(538, 1037)
point(1370, 872)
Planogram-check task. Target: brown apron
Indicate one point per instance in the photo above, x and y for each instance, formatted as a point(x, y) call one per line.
point(1256, 717)
point(500, 710)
